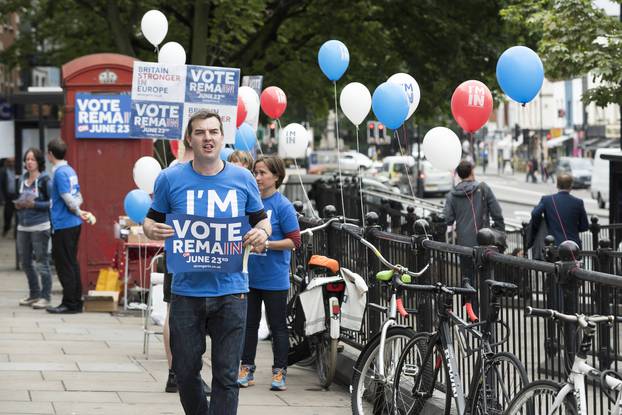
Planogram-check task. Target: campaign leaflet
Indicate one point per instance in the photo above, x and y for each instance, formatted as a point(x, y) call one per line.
point(189, 88)
point(102, 115)
point(202, 244)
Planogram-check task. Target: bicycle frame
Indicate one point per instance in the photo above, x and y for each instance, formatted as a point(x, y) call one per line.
point(576, 386)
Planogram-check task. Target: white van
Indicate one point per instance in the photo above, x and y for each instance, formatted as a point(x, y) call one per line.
point(600, 176)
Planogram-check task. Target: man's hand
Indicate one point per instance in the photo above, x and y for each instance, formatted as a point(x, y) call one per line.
point(27, 204)
point(157, 231)
point(256, 237)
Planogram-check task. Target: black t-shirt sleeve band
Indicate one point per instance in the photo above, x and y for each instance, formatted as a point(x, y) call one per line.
point(255, 217)
point(156, 216)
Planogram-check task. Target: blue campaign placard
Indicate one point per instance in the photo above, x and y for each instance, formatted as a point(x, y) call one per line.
point(102, 116)
point(202, 244)
point(156, 119)
point(212, 85)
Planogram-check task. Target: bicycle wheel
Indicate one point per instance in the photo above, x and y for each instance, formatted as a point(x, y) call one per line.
point(537, 398)
point(417, 378)
point(326, 359)
point(372, 394)
point(505, 376)
point(299, 348)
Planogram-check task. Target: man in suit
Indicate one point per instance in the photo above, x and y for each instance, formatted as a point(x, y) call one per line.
point(564, 214)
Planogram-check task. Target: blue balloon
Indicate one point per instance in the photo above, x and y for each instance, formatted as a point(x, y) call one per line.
point(137, 204)
point(225, 153)
point(245, 138)
point(334, 59)
point(390, 104)
point(520, 73)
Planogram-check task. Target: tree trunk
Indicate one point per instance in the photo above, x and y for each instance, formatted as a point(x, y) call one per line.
point(118, 32)
point(199, 32)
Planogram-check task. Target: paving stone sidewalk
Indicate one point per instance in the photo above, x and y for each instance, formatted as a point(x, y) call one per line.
point(92, 363)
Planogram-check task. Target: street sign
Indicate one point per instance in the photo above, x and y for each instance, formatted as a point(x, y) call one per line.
point(6, 113)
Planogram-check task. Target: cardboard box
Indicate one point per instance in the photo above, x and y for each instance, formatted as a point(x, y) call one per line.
point(101, 301)
point(137, 235)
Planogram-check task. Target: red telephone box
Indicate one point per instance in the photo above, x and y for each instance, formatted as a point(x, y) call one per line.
point(104, 166)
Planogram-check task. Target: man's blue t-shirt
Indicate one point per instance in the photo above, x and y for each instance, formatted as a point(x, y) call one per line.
point(270, 270)
point(65, 180)
point(229, 194)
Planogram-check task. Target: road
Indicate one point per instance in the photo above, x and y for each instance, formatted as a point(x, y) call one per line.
point(518, 198)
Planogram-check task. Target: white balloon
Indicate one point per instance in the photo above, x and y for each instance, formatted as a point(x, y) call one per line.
point(154, 26)
point(172, 53)
point(411, 87)
point(355, 102)
point(251, 102)
point(293, 141)
point(146, 170)
point(442, 148)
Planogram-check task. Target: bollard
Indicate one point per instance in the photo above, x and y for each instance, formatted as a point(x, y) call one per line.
point(568, 257)
point(595, 230)
point(605, 296)
point(483, 270)
point(408, 228)
point(373, 266)
point(425, 309)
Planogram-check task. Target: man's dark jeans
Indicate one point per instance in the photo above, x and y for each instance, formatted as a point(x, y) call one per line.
point(191, 319)
point(276, 312)
point(65, 254)
point(34, 245)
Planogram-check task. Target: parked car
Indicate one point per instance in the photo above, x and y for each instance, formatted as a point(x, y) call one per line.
point(579, 168)
point(351, 160)
point(600, 176)
point(401, 172)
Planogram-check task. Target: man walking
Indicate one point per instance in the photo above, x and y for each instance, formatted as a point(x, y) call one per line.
point(66, 223)
point(8, 182)
point(471, 205)
point(207, 302)
point(564, 214)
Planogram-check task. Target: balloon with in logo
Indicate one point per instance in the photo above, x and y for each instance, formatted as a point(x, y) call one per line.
point(471, 105)
point(293, 141)
point(333, 58)
point(411, 88)
point(241, 114)
point(273, 102)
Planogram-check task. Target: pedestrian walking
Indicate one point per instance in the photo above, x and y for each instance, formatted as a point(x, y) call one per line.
point(34, 229)
point(564, 214)
point(66, 219)
point(8, 187)
point(471, 206)
point(207, 302)
point(532, 167)
point(484, 160)
point(269, 275)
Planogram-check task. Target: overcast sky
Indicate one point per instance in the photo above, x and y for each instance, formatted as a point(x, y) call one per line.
point(612, 9)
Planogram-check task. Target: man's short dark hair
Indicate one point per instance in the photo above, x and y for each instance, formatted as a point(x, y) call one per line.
point(58, 148)
point(38, 155)
point(202, 115)
point(464, 169)
point(564, 181)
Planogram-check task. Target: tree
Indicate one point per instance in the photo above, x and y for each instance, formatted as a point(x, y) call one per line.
point(574, 38)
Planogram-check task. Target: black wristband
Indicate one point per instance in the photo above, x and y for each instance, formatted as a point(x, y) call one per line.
point(156, 216)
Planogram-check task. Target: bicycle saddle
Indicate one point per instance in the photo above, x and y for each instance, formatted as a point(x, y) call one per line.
point(499, 288)
point(320, 261)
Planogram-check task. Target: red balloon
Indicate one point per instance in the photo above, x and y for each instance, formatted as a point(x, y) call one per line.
point(241, 113)
point(174, 147)
point(273, 102)
point(471, 105)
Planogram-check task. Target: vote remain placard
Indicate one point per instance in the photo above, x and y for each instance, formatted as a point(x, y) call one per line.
point(203, 244)
point(164, 97)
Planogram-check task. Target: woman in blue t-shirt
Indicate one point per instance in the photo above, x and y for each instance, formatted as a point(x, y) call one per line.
point(269, 274)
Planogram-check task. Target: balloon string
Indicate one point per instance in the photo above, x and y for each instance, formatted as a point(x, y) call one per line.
point(405, 163)
point(302, 186)
point(360, 177)
point(343, 205)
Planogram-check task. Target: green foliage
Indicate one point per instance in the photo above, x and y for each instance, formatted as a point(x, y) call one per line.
point(574, 38)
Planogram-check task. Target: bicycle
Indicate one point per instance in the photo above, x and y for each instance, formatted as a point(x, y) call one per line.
point(547, 397)
point(372, 378)
point(495, 376)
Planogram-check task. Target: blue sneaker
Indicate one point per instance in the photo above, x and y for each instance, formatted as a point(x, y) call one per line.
point(278, 380)
point(246, 377)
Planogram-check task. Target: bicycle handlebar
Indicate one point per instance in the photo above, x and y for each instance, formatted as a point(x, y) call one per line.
point(326, 224)
point(437, 288)
point(580, 319)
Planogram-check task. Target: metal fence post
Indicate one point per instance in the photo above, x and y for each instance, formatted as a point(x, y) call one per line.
point(595, 230)
point(408, 226)
point(373, 266)
point(604, 264)
point(568, 256)
point(425, 309)
point(551, 293)
point(483, 269)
